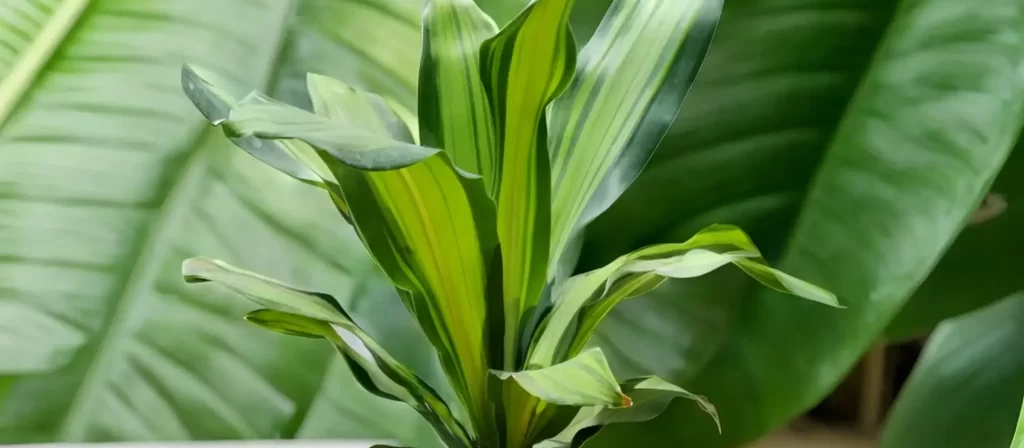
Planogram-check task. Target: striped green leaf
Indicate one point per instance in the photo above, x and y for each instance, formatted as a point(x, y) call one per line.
point(650, 396)
point(524, 68)
point(629, 85)
point(432, 231)
point(585, 300)
point(429, 227)
point(297, 312)
point(585, 380)
point(453, 108)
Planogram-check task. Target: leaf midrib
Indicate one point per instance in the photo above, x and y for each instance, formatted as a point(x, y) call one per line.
point(26, 71)
point(155, 244)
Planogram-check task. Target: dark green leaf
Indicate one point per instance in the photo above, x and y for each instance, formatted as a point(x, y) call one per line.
point(965, 390)
point(982, 265)
point(915, 153)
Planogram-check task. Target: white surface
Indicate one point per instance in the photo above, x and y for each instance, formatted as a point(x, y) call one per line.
point(219, 444)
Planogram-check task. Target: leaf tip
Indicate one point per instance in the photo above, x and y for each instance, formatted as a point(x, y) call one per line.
point(626, 401)
point(192, 269)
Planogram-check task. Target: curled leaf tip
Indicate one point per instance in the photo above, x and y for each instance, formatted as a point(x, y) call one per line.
point(191, 269)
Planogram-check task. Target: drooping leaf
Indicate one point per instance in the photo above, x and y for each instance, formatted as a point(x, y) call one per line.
point(650, 396)
point(621, 102)
point(524, 68)
point(585, 380)
point(454, 110)
point(344, 409)
point(876, 219)
point(967, 387)
point(584, 301)
point(296, 312)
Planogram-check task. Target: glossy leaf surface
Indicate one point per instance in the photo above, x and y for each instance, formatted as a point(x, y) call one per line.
point(981, 267)
point(967, 387)
point(877, 219)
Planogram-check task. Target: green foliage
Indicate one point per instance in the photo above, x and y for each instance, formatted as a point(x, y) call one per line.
point(855, 131)
point(108, 179)
point(470, 256)
point(966, 390)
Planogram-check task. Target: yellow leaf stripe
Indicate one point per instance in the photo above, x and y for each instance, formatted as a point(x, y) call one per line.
point(628, 88)
point(524, 68)
point(453, 108)
point(434, 230)
point(430, 229)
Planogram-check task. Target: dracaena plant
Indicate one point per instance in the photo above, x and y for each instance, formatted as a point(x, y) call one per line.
point(471, 206)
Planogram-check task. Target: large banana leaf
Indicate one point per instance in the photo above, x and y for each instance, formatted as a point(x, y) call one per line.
point(983, 265)
point(902, 135)
point(966, 389)
point(109, 179)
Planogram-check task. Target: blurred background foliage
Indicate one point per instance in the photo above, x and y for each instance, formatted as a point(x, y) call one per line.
point(854, 139)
